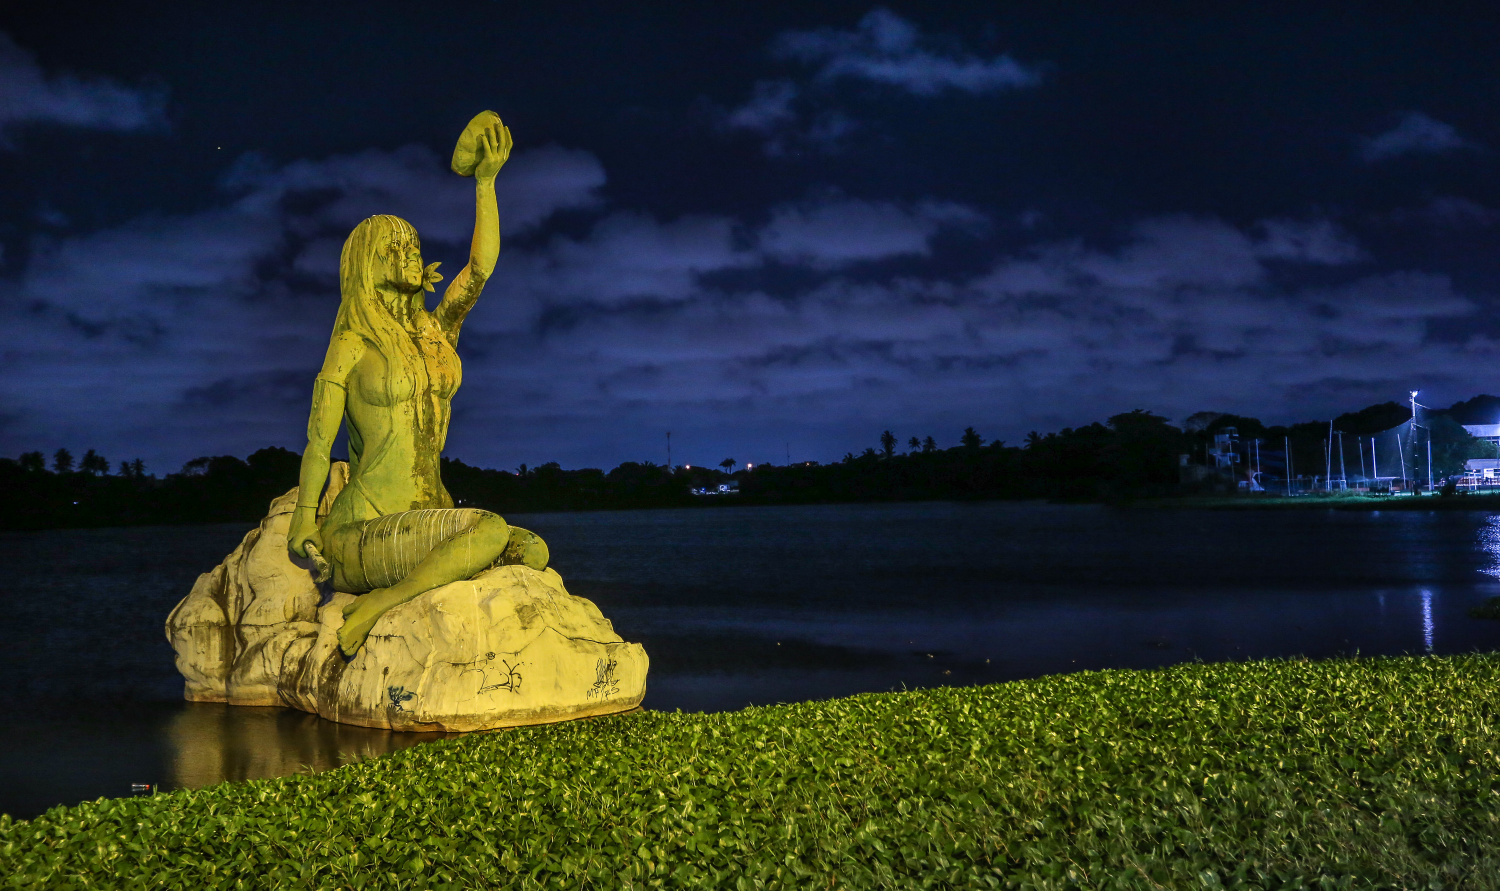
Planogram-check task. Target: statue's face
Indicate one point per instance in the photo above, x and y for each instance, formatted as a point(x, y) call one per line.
point(403, 261)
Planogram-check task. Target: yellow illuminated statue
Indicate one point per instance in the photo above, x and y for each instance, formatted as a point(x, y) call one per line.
point(390, 373)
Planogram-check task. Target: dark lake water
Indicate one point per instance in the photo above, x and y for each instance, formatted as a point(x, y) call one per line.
point(740, 606)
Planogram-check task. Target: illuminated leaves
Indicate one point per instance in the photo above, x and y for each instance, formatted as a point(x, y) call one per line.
point(1363, 773)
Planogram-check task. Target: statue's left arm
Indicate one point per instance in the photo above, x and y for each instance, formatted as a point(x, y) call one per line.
point(492, 151)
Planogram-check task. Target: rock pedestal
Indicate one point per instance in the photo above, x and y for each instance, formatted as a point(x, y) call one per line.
point(509, 647)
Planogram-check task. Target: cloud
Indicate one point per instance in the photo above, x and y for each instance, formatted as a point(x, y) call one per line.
point(178, 336)
point(188, 332)
point(829, 234)
point(628, 257)
point(28, 95)
point(1319, 242)
point(779, 111)
point(339, 192)
point(1446, 212)
point(882, 49)
point(125, 279)
point(885, 49)
point(1417, 134)
point(769, 107)
point(1183, 314)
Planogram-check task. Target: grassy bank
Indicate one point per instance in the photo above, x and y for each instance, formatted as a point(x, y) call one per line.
point(1359, 773)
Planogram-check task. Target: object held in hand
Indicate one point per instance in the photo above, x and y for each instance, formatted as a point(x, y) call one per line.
point(324, 571)
point(465, 154)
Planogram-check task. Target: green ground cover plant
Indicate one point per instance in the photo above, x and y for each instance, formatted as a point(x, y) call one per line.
point(1349, 773)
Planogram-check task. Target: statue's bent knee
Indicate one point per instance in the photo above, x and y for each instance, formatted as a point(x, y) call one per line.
point(518, 547)
point(525, 548)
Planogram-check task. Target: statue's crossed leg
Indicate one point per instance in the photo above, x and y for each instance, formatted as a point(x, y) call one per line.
point(398, 556)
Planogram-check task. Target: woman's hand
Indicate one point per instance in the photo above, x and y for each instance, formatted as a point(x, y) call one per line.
point(492, 150)
point(304, 531)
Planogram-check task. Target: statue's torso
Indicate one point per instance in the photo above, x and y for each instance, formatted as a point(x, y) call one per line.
point(398, 423)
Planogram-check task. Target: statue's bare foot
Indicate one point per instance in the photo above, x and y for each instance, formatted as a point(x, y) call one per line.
point(359, 617)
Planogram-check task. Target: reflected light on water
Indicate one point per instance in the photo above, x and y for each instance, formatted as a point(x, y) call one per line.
point(213, 742)
point(1427, 619)
point(1489, 540)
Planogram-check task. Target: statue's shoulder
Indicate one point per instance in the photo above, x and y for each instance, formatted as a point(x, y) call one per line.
point(345, 349)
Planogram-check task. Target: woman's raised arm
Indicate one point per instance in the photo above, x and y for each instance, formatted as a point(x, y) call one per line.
point(492, 151)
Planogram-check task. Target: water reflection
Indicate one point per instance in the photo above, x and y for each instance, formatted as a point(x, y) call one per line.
point(212, 742)
point(757, 605)
point(1489, 541)
point(1427, 619)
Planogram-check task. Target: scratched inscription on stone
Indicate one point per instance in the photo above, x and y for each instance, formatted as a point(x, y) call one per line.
point(605, 682)
point(495, 674)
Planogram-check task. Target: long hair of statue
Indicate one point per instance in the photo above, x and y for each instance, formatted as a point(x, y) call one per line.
point(361, 311)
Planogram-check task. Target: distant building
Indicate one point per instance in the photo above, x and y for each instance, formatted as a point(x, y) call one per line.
point(1224, 454)
point(1490, 433)
point(1483, 468)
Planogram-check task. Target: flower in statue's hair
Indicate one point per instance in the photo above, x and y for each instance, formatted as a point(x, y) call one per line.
point(430, 276)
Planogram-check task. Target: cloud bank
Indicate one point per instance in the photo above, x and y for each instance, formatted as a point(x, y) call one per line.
point(28, 95)
point(884, 50)
point(131, 334)
point(178, 336)
point(1417, 134)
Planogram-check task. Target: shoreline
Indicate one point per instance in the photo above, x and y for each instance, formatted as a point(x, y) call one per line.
point(1269, 501)
point(1378, 771)
point(1336, 501)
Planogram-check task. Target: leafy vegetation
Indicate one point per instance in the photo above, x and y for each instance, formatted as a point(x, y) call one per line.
point(1490, 609)
point(207, 490)
point(1352, 773)
point(1130, 456)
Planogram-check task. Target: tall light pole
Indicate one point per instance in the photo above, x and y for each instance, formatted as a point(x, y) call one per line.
point(1412, 438)
point(1328, 459)
point(1343, 474)
point(1401, 451)
point(1286, 443)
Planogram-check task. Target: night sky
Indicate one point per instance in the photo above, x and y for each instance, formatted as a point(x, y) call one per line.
point(772, 229)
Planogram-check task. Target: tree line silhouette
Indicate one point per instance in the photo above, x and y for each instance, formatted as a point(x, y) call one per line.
point(1131, 455)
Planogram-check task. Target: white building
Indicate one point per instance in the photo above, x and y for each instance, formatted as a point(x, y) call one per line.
point(1490, 433)
point(1483, 468)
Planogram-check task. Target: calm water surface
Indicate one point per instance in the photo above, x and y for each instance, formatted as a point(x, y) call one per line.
point(740, 606)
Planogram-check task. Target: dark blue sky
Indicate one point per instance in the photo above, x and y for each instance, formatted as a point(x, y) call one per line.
point(762, 227)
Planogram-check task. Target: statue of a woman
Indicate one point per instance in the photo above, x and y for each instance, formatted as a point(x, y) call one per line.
point(390, 372)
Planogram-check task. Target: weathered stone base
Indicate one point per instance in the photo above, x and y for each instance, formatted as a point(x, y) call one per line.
point(508, 648)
